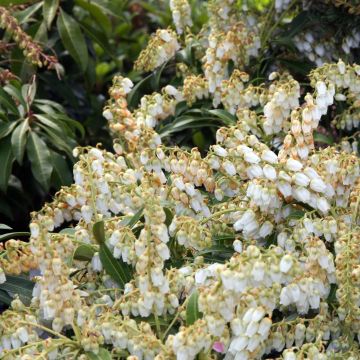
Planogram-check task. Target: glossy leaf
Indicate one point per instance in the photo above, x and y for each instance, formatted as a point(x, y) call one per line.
point(6, 128)
point(7, 101)
point(192, 309)
point(118, 270)
point(73, 39)
point(131, 221)
point(99, 232)
point(61, 168)
point(103, 354)
point(40, 159)
point(225, 116)
point(84, 252)
point(325, 139)
point(19, 139)
point(5, 298)
point(49, 11)
point(16, 285)
point(97, 14)
point(13, 235)
point(6, 160)
point(5, 227)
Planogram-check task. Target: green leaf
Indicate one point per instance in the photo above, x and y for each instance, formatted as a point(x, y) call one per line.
point(28, 92)
point(225, 116)
point(117, 269)
point(17, 285)
point(49, 11)
point(25, 15)
point(61, 168)
point(296, 214)
point(84, 252)
point(7, 101)
point(13, 235)
point(39, 155)
point(134, 219)
point(73, 39)
point(6, 160)
point(46, 121)
point(57, 140)
point(103, 354)
point(192, 309)
point(6, 128)
point(18, 140)
point(5, 298)
point(99, 232)
point(138, 90)
point(15, 93)
point(188, 122)
point(321, 138)
point(97, 14)
point(97, 36)
point(5, 227)
point(67, 231)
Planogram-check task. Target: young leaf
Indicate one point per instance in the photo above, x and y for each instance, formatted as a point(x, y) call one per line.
point(18, 140)
point(40, 159)
point(49, 11)
point(73, 39)
point(6, 160)
point(192, 308)
point(28, 92)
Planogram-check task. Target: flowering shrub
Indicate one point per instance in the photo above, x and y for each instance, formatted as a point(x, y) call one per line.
point(246, 252)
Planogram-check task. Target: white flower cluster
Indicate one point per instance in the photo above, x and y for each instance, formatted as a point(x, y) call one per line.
point(283, 97)
point(237, 44)
point(249, 249)
point(161, 48)
point(181, 14)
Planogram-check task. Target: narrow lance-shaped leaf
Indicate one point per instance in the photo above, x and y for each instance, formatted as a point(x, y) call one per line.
point(7, 102)
point(18, 140)
point(73, 39)
point(115, 268)
point(39, 156)
point(49, 11)
point(192, 308)
point(6, 160)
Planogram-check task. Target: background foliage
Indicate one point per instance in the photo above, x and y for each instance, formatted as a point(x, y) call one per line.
point(46, 110)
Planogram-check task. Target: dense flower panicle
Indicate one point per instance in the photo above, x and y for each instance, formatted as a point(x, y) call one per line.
point(161, 48)
point(245, 251)
point(31, 49)
point(237, 44)
point(181, 13)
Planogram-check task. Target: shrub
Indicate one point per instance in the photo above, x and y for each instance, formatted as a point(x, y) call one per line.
point(248, 250)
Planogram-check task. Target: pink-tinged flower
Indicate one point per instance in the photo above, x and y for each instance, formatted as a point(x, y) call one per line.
point(218, 347)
